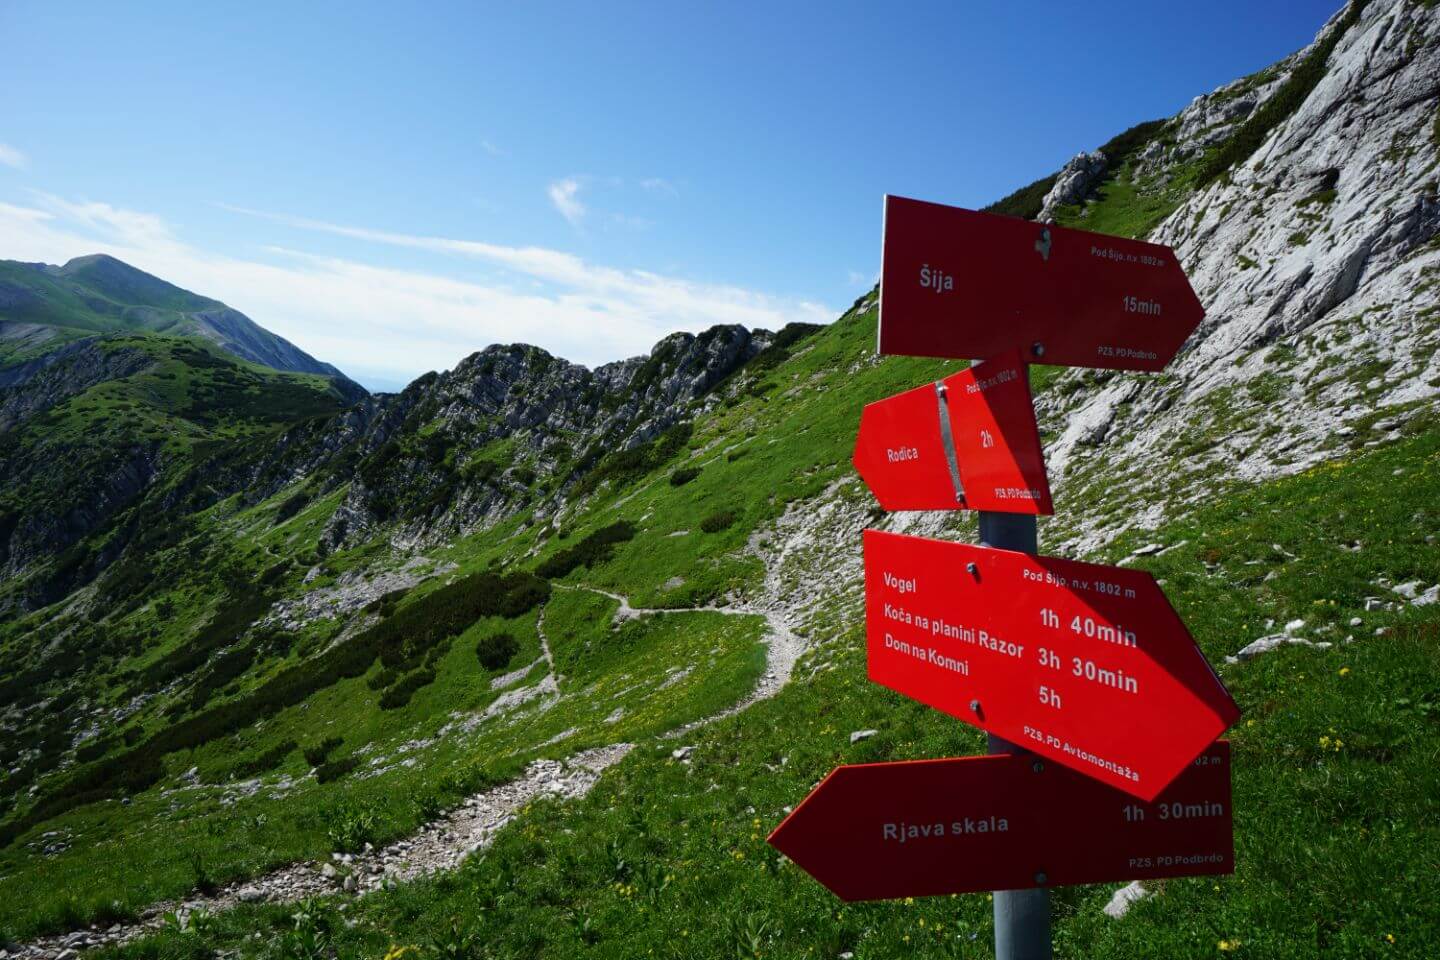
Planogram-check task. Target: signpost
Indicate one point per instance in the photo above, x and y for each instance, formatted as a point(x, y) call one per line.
point(1084, 664)
point(968, 441)
point(1092, 691)
point(1003, 822)
point(956, 283)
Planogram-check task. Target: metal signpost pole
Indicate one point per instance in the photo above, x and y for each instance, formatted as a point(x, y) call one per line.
point(1022, 917)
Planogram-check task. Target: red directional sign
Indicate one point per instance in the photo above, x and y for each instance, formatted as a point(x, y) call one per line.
point(968, 441)
point(926, 827)
point(1085, 664)
point(956, 283)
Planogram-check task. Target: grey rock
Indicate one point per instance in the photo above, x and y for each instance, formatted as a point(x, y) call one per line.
point(859, 735)
point(1074, 183)
point(1265, 644)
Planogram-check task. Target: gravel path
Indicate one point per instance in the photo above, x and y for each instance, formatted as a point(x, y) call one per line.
point(445, 842)
point(782, 650)
point(439, 845)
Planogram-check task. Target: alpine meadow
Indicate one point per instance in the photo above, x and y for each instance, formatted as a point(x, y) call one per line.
point(528, 658)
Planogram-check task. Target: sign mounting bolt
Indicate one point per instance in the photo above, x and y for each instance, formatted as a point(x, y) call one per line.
point(1038, 766)
point(1037, 348)
point(972, 568)
point(1040, 878)
point(974, 706)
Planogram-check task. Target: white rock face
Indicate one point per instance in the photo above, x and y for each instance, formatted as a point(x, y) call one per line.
point(1073, 183)
point(1319, 268)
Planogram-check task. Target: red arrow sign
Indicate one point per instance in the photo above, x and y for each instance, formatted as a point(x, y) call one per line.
point(1085, 664)
point(956, 283)
point(984, 416)
point(885, 830)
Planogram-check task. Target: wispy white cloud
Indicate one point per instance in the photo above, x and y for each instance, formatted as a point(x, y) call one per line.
point(565, 195)
point(855, 278)
point(659, 185)
point(377, 318)
point(12, 157)
point(491, 149)
point(630, 222)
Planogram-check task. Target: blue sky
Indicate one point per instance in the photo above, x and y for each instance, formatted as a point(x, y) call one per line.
point(393, 186)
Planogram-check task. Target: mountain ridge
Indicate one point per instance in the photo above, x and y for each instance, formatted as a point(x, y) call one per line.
point(97, 293)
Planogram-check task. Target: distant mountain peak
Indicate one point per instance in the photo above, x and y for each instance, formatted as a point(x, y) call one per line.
point(98, 293)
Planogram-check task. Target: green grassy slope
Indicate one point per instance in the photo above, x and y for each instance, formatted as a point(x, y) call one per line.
point(1335, 768)
point(96, 294)
point(670, 858)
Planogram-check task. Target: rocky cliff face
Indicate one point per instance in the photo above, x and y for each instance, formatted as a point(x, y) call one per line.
point(1317, 260)
point(509, 426)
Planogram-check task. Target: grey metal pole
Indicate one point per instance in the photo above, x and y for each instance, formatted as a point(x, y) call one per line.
point(1022, 917)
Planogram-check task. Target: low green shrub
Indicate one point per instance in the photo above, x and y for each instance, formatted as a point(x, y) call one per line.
point(351, 827)
point(320, 752)
point(399, 695)
point(266, 761)
point(335, 769)
point(496, 650)
point(595, 548)
point(717, 521)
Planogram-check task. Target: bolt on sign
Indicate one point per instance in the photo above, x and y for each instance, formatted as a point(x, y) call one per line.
point(1084, 664)
point(1003, 822)
point(968, 441)
point(956, 283)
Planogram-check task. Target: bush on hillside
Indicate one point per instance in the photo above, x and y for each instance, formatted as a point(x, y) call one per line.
point(291, 506)
point(718, 521)
point(683, 476)
point(595, 548)
point(321, 751)
point(266, 761)
point(496, 650)
point(399, 695)
point(335, 769)
point(382, 678)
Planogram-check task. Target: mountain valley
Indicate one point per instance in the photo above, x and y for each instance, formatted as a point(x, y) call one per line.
point(528, 658)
